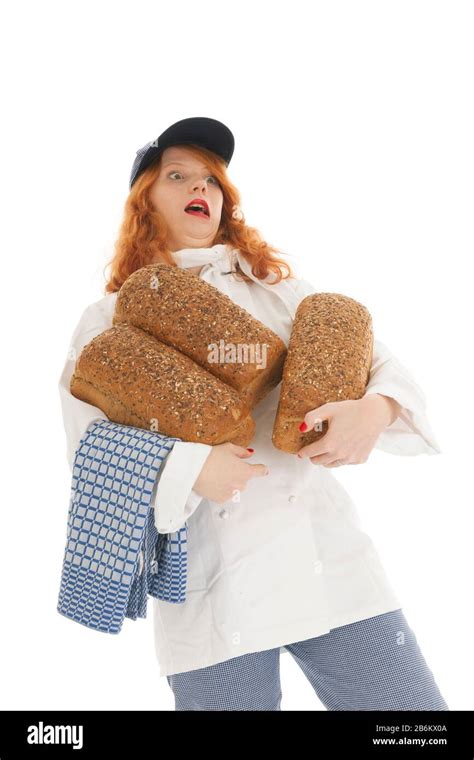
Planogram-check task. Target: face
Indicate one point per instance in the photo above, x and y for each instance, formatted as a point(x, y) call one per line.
point(183, 178)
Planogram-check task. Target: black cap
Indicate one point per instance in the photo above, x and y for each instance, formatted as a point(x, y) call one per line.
point(199, 130)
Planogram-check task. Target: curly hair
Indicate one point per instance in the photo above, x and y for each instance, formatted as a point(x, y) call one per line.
point(143, 234)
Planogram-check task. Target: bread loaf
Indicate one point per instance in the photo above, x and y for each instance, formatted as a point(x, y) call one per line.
point(329, 358)
point(138, 380)
point(193, 316)
point(181, 358)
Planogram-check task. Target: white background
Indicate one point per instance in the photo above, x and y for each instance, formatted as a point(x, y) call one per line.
point(354, 132)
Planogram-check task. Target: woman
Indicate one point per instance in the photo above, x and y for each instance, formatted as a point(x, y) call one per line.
point(278, 560)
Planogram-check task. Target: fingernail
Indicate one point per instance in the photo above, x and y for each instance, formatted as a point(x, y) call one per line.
point(303, 426)
point(251, 450)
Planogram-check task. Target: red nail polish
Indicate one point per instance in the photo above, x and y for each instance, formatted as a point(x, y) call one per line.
point(250, 450)
point(303, 427)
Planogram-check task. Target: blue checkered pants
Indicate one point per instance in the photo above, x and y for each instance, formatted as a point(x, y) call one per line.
point(373, 664)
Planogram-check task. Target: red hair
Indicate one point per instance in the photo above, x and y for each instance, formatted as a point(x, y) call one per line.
point(143, 232)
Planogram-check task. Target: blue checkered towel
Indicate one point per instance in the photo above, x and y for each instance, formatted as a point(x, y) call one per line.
point(114, 555)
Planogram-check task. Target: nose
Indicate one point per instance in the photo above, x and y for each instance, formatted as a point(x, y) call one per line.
point(199, 183)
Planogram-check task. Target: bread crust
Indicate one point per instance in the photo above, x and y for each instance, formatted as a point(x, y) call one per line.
point(329, 358)
point(138, 380)
point(179, 308)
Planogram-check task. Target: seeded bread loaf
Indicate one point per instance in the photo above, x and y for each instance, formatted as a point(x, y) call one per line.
point(193, 316)
point(181, 358)
point(329, 358)
point(138, 380)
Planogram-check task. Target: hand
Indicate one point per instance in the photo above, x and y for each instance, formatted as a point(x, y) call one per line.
point(224, 472)
point(354, 426)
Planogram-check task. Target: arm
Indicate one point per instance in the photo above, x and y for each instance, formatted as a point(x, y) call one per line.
point(390, 408)
point(77, 414)
point(410, 432)
point(174, 498)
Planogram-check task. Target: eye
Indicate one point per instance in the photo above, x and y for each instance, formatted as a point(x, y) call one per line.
point(210, 175)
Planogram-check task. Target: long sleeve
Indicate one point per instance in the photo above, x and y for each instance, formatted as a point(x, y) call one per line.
point(77, 414)
point(410, 433)
point(175, 497)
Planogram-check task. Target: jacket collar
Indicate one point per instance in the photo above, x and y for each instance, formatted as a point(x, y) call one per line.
point(192, 257)
point(222, 254)
point(285, 289)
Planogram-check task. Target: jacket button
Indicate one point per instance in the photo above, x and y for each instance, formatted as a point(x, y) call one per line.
point(224, 514)
point(292, 497)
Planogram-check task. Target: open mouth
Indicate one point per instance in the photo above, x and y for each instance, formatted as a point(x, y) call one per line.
point(197, 209)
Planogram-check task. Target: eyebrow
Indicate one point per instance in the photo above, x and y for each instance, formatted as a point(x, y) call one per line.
point(175, 163)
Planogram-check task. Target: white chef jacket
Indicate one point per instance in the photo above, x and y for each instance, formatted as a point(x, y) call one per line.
point(288, 560)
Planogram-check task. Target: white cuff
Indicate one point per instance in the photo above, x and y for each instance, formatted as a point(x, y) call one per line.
point(193, 500)
point(175, 500)
point(410, 433)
